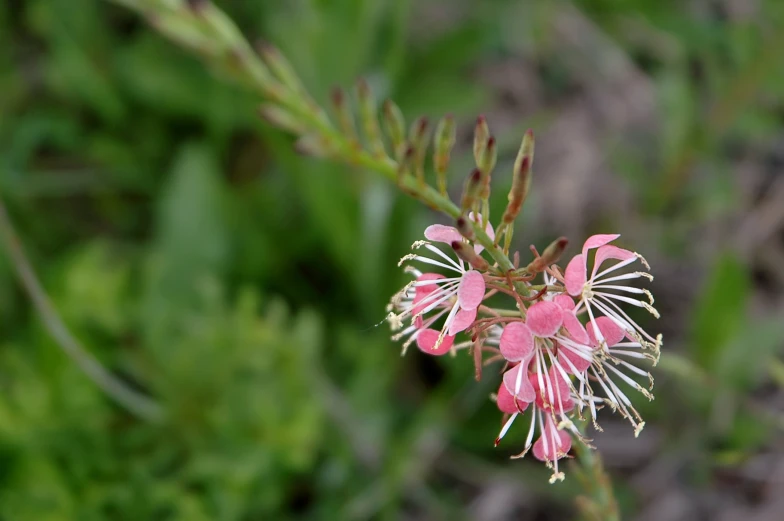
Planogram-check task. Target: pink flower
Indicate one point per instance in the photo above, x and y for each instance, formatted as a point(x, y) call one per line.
point(610, 361)
point(449, 234)
point(599, 293)
point(552, 399)
point(552, 445)
point(433, 296)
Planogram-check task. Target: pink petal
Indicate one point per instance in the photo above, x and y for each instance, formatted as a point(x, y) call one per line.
point(565, 301)
point(575, 275)
point(560, 395)
point(544, 318)
point(427, 288)
point(579, 363)
point(575, 328)
point(507, 403)
point(463, 319)
point(488, 230)
point(610, 252)
point(471, 290)
point(418, 305)
point(598, 240)
point(427, 338)
point(558, 443)
point(611, 331)
point(517, 342)
point(526, 390)
point(441, 233)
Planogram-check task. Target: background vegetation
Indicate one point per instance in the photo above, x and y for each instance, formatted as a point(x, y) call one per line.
point(197, 256)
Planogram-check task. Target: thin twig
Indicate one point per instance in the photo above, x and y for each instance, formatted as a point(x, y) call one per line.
point(140, 405)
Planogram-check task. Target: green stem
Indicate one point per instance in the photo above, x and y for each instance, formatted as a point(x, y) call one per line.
point(222, 34)
point(601, 505)
point(138, 404)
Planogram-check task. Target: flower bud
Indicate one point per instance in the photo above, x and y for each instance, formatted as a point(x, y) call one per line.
point(405, 163)
point(463, 226)
point(367, 112)
point(312, 145)
point(281, 118)
point(344, 115)
point(197, 6)
point(280, 67)
point(466, 252)
point(395, 126)
point(550, 255)
point(486, 165)
point(521, 180)
point(481, 134)
point(471, 190)
point(444, 141)
point(419, 138)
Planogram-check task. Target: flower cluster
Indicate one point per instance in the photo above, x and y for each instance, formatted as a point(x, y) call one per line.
point(568, 348)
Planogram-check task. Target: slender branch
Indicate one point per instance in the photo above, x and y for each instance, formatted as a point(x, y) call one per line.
point(210, 32)
point(140, 405)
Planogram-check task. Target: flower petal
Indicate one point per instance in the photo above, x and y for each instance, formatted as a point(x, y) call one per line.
point(545, 318)
point(427, 288)
point(579, 363)
point(598, 240)
point(575, 328)
point(556, 392)
point(441, 233)
point(565, 301)
point(575, 275)
point(611, 331)
point(525, 391)
point(610, 252)
point(426, 341)
point(507, 403)
point(558, 443)
point(463, 319)
point(517, 342)
point(471, 290)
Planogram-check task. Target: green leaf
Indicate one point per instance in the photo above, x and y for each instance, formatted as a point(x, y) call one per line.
point(191, 243)
point(720, 310)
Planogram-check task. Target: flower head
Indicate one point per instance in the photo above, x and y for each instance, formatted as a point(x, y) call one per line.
point(432, 296)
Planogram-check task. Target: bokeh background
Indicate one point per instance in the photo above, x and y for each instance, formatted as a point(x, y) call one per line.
point(205, 263)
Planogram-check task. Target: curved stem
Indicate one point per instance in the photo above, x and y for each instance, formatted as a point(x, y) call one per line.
point(140, 405)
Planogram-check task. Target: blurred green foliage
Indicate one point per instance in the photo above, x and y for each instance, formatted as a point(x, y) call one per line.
point(204, 262)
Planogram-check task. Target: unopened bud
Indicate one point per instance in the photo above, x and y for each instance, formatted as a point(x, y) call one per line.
point(521, 180)
point(419, 138)
point(344, 115)
point(444, 141)
point(471, 190)
point(463, 226)
point(281, 118)
point(197, 6)
point(526, 150)
point(312, 145)
point(550, 255)
point(395, 126)
point(486, 165)
point(280, 67)
point(405, 163)
point(481, 134)
point(488, 158)
point(367, 111)
point(466, 252)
